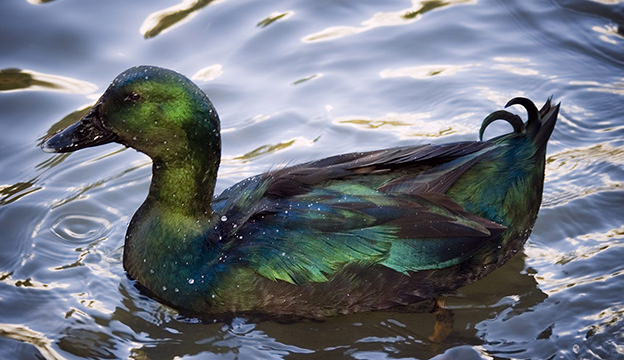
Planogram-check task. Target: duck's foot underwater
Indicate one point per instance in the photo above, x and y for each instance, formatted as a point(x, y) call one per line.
point(443, 325)
point(443, 317)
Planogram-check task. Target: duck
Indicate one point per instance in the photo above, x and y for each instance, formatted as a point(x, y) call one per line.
point(354, 232)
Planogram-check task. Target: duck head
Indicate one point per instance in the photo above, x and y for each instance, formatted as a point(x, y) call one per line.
point(156, 111)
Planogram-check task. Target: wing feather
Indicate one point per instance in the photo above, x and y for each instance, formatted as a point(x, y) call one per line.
point(305, 223)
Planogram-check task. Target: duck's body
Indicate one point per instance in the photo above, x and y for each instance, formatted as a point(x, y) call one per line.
point(349, 233)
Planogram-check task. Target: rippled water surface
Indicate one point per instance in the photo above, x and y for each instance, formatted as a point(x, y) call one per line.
point(294, 81)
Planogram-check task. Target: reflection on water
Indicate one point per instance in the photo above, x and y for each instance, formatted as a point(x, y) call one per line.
point(616, 87)
point(264, 149)
point(10, 193)
point(401, 17)
point(307, 78)
point(66, 121)
point(208, 73)
point(37, 2)
point(41, 343)
point(424, 71)
point(271, 148)
point(409, 125)
point(16, 79)
point(611, 34)
point(163, 20)
point(299, 82)
point(273, 18)
point(80, 228)
point(570, 169)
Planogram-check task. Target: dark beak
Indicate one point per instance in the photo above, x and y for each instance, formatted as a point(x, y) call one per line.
point(87, 132)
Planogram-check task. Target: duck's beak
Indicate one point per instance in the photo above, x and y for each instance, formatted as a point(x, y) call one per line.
point(87, 132)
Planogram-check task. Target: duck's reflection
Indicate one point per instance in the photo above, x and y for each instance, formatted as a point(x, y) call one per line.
point(140, 327)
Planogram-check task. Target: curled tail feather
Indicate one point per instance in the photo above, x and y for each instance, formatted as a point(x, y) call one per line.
point(539, 125)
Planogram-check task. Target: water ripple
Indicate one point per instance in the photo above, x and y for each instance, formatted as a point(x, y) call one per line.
point(568, 171)
point(408, 125)
point(382, 19)
point(24, 334)
point(424, 71)
point(80, 228)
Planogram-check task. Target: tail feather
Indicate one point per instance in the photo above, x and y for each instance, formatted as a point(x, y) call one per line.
point(548, 117)
point(540, 123)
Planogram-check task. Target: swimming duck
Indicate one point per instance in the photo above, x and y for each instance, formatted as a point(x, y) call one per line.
point(349, 233)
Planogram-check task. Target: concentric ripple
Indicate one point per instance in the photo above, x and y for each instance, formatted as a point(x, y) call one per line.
point(80, 228)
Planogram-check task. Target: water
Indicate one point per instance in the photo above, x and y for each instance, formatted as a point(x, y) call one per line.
point(294, 81)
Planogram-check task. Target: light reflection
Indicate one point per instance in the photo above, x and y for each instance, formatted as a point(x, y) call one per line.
point(80, 228)
point(505, 64)
point(164, 20)
point(616, 87)
point(582, 161)
point(14, 192)
point(66, 121)
point(515, 70)
point(254, 120)
point(577, 109)
point(609, 33)
point(552, 282)
point(382, 19)
point(231, 171)
point(566, 161)
point(272, 148)
point(274, 17)
point(407, 125)
point(30, 283)
point(509, 59)
point(208, 73)
point(424, 71)
point(495, 96)
point(26, 335)
point(308, 78)
point(20, 80)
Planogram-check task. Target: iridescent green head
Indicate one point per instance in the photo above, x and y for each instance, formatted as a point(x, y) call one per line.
point(154, 110)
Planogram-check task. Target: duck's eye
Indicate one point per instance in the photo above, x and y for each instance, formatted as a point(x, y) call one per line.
point(132, 97)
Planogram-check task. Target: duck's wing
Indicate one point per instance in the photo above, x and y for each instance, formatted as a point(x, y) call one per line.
point(305, 223)
point(429, 168)
point(310, 237)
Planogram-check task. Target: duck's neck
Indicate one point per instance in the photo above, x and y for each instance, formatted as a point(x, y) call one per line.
point(166, 243)
point(184, 187)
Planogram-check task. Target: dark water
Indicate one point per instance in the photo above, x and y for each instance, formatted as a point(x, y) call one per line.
point(293, 81)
